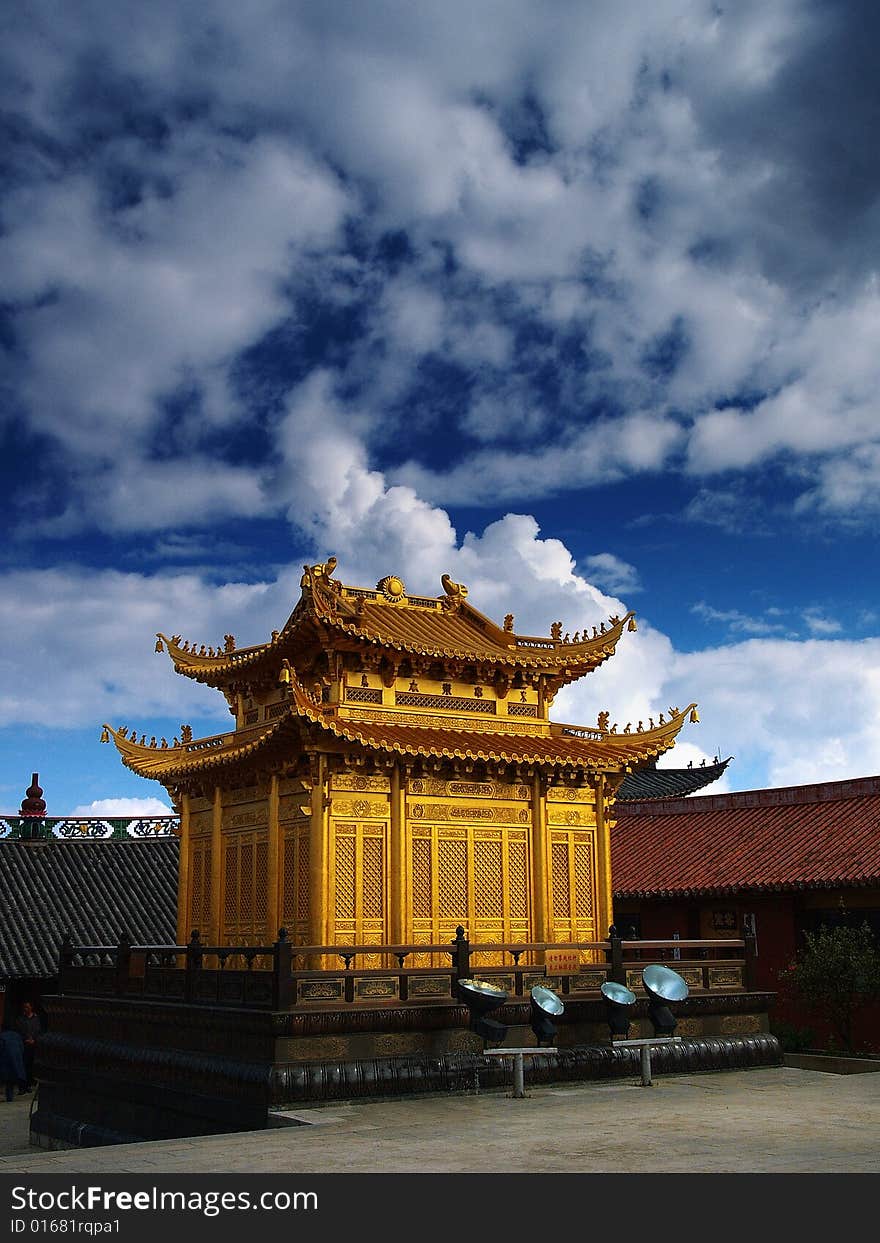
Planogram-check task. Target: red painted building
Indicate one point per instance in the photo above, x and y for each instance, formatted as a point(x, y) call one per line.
point(784, 860)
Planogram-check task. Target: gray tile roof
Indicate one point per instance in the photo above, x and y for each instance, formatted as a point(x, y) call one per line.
point(669, 782)
point(93, 889)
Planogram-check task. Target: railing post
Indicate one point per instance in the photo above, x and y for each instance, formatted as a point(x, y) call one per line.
point(751, 957)
point(193, 964)
point(123, 963)
point(617, 973)
point(282, 984)
point(461, 956)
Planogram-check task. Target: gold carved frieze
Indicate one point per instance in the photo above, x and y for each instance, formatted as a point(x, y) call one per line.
point(360, 783)
point(573, 815)
point(363, 808)
point(201, 823)
point(430, 986)
point(570, 794)
point(473, 814)
point(725, 977)
point(376, 987)
point(468, 789)
point(241, 794)
point(692, 976)
point(321, 990)
point(244, 819)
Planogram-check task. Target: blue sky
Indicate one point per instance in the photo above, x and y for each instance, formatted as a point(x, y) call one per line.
point(578, 303)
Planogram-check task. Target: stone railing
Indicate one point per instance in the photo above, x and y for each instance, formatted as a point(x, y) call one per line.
point(284, 976)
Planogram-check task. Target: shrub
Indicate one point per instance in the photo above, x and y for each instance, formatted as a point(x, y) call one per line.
point(837, 971)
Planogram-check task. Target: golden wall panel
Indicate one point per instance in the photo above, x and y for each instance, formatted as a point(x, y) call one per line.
point(360, 870)
point(573, 884)
point(200, 888)
point(245, 896)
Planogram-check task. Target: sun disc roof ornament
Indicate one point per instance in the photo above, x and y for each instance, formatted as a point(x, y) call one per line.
point(392, 588)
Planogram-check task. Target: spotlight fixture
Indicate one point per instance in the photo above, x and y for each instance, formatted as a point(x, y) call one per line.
point(662, 985)
point(618, 999)
point(545, 1006)
point(481, 998)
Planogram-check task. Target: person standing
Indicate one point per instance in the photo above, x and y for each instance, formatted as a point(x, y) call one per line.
point(28, 1027)
point(12, 1070)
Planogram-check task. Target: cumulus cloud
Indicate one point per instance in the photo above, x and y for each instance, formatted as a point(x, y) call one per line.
point(357, 268)
point(111, 807)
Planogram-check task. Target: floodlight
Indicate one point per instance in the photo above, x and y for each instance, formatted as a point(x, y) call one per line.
point(545, 1004)
point(662, 985)
point(618, 999)
point(481, 998)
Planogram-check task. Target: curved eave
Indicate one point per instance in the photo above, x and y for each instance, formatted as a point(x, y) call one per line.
point(166, 764)
point(608, 753)
point(566, 662)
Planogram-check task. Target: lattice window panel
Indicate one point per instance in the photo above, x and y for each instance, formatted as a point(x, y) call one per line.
point(573, 867)
point(561, 879)
point(346, 901)
point(261, 888)
point(422, 872)
point(363, 695)
point(488, 880)
point(522, 709)
point(360, 885)
point(452, 879)
point(373, 885)
point(230, 885)
point(200, 900)
point(518, 880)
point(303, 904)
point(456, 703)
point(288, 879)
point(470, 875)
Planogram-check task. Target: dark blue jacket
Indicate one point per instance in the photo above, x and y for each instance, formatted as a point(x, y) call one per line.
point(12, 1058)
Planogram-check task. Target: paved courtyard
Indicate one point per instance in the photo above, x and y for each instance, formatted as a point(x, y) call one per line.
point(769, 1120)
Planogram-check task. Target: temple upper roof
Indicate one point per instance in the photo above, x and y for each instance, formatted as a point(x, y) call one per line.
point(306, 723)
point(334, 615)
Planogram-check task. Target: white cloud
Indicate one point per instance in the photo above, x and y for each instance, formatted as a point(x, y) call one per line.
point(112, 807)
point(612, 572)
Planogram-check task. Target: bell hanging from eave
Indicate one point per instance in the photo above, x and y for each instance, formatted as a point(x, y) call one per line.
point(160, 647)
point(631, 625)
point(694, 717)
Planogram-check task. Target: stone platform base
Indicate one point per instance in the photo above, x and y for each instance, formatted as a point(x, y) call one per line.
point(118, 1070)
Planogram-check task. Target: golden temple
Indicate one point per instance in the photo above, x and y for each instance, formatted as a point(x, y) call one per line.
point(393, 773)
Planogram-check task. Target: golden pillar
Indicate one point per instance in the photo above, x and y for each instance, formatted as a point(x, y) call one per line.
point(604, 915)
point(183, 884)
point(217, 868)
point(320, 885)
point(542, 923)
point(273, 897)
point(399, 914)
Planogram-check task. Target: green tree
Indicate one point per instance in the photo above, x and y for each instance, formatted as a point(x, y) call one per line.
point(837, 971)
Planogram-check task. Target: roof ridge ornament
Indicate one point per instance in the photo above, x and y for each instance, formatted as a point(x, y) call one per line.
point(455, 593)
point(392, 588)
